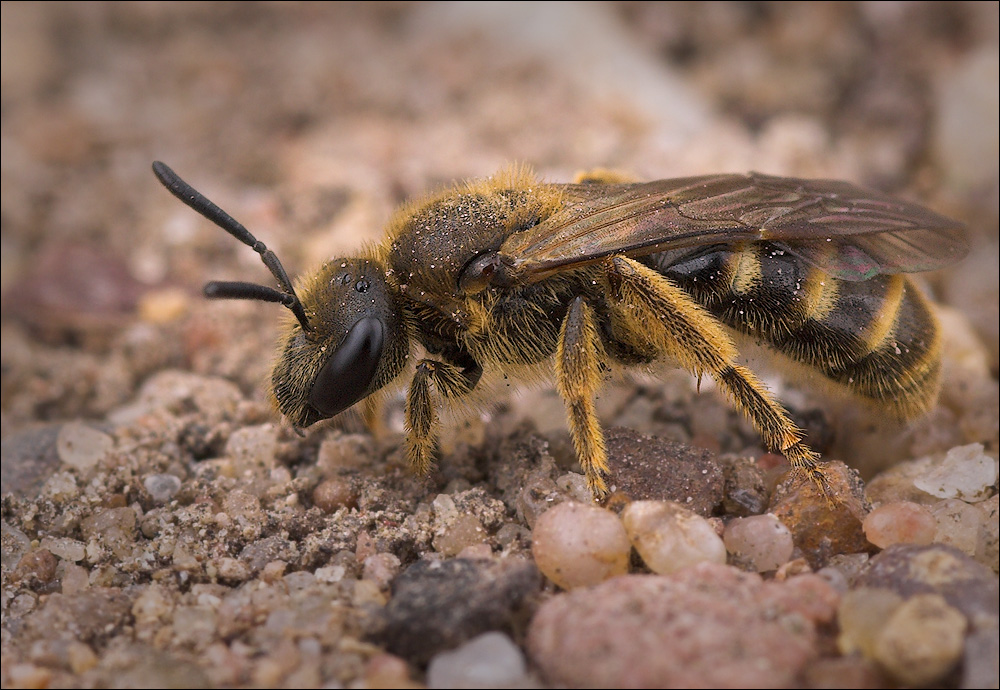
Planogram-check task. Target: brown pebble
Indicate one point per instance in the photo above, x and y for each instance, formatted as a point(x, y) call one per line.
point(644, 467)
point(821, 527)
point(333, 494)
point(37, 566)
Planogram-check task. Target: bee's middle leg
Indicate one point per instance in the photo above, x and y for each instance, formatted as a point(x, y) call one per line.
point(451, 381)
point(662, 315)
point(578, 376)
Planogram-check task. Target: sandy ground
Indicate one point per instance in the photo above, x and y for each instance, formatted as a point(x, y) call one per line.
point(139, 449)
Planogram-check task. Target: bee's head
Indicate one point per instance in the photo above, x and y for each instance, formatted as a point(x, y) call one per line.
point(356, 342)
point(349, 337)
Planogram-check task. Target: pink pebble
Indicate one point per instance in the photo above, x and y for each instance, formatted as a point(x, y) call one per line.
point(901, 522)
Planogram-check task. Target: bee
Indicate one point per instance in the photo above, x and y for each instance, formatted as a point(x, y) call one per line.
point(511, 277)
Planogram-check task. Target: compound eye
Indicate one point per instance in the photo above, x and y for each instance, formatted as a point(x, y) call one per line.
point(347, 376)
point(478, 273)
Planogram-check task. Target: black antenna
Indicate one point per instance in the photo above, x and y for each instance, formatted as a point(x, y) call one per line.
point(235, 290)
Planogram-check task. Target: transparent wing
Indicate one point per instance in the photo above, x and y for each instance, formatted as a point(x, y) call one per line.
point(851, 232)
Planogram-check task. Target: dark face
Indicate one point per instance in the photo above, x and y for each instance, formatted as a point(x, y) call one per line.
point(358, 344)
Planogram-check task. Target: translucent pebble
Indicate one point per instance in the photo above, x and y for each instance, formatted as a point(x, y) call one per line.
point(921, 641)
point(113, 528)
point(244, 510)
point(340, 452)
point(861, 615)
point(331, 573)
point(462, 532)
point(958, 524)
point(65, 548)
point(61, 486)
point(384, 671)
point(334, 493)
point(444, 508)
point(253, 445)
point(575, 486)
point(966, 473)
point(900, 522)
point(577, 545)
point(381, 568)
point(161, 487)
point(670, 537)
point(490, 660)
point(232, 569)
point(15, 544)
point(82, 447)
point(152, 604)
point(760, 542)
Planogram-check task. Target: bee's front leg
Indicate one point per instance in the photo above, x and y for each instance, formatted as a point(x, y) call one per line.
point(451, 380)
point(578, 377)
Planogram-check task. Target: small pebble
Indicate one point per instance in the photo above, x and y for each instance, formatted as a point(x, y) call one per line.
point(28, 676)
point(334, 493)
point(822, 528)
point(65, 548)
point(81, 657)
point(152, 604)
point(966, 473)
point(164, 305)
point(81, 446)
point(462, 531)
point(75, 578)
point(491, 660)
point(387, 671)
point(921, 641)
point(331, 573)
point(381, 568)
point(253, 446)
point(958, 524)
point(215, 397)
point(577, 545)
point(538, 494)
point(232, 570)
point(161, 487)
point(476, 551)
point(439, 604)
point(861, 615)
point(340, 452)
point(61, 486)
point(761, 542)
point(900, 522)
point(15, 544)
point(670, 537)
point(113, 528)
point(37, 566)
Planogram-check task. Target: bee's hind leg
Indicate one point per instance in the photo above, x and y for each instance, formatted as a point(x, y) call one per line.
point(658, 313)
point(578, 376)
point(451, 380)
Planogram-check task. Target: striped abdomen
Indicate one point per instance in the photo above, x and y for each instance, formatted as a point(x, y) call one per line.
point(878, 337)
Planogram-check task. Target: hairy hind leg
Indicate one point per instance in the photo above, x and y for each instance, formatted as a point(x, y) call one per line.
point(657, 313)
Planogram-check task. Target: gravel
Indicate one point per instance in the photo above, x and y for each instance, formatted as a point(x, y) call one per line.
point(161, 526)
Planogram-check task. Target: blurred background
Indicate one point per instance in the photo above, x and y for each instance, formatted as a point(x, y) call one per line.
point(311, 122)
